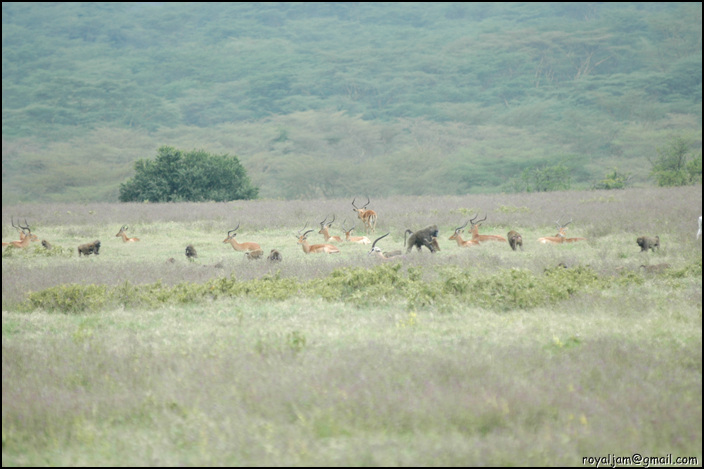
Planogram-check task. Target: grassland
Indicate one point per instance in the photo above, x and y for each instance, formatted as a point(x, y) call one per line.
point(478, 356)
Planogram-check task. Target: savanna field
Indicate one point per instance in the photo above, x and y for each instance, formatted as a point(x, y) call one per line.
point(469, 356)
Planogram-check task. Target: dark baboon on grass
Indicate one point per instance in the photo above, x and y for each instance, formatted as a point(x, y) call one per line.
point(46, 244)
point(89, 248)
point(191, 252)
point(646, 242)
point(274, 256)
point(421, 238)
point(515, 239)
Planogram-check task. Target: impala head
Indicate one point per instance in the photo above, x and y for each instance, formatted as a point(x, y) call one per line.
point(122, 230)
point(476, 223)
point(374, 248)
point(360, 210)
point(231, 234)
point(302, 237)
point(324, 225)
point(560, 227)
point(458, 231)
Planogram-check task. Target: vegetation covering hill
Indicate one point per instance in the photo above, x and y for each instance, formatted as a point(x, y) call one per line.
point(336, 99)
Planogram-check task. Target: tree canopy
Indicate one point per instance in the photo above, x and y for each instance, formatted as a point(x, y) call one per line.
point(196, 176)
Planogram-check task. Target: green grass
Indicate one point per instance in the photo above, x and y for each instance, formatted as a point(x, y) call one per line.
point(468, 357)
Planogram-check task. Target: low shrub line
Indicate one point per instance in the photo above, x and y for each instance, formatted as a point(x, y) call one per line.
point(505, 290)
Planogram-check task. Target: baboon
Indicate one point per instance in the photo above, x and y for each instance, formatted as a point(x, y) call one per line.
point(256, 254)
point(515, 239)
point(646, 242)
point(89, 248)
point(274, 256)
point(421, 238)
point(191, 252)
point(47, 245)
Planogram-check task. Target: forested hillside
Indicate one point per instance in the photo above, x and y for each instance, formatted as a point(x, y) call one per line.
point(338, 99)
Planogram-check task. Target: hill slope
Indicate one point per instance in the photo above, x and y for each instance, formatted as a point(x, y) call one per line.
point(328, 99)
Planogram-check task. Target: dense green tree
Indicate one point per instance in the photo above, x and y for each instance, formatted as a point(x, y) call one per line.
point(195, 176)
point(675, 164)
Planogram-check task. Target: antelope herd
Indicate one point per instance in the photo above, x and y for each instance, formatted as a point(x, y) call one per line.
point(427, 237)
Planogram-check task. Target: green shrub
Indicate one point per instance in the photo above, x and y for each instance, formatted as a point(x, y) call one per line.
point(70, 298)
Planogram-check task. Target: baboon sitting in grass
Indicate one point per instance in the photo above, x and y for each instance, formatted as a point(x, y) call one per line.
point(646, 242)
point(274, 256)
point(191, 252)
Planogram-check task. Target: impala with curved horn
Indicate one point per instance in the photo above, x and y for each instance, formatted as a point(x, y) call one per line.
point(482, 238)
point(239, 246)
point(324, 227)
point(367, 216)
point(383, 255)
point(354, 239)
point(315, 248)
point(559, 237)
point(125, 238)
point(25, 235)
point(458, 237)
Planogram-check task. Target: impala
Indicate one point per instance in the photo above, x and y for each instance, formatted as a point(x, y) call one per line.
point(559, 237)
point(239, 246)
point(354, 239)
point(25, 236)
point(383, 255)
point(326, 234)
point(367, 216)
point(316, 248)
point(461, 242)
point(482, 238)
point(125, 238)
point(21, 230)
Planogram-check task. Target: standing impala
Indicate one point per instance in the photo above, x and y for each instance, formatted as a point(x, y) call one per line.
point(240, 246)
point(354, 239)
point(482, 238)
point(315, 248)
point(326, 234)
point(461, 242)
point(367, 216)
point(124, 235)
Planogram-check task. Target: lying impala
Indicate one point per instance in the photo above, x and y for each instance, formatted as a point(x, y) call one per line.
point(316, 248)
point(242, 247)
point(25, 236)
point(482, 238)
point(461, 242)
point(125, 238)
point(383, 255)
point(326, 234)
point(367, 216)
point(560, 236)
point(354, 239)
